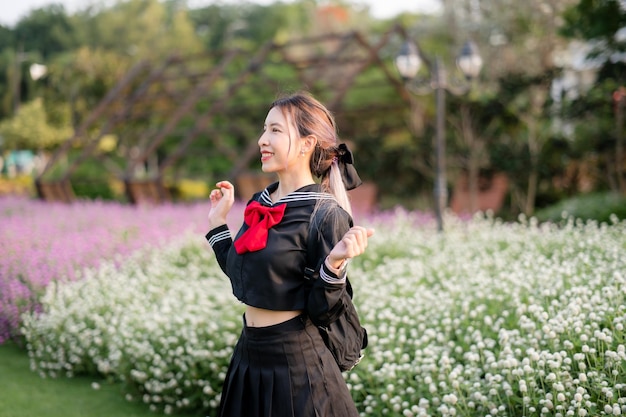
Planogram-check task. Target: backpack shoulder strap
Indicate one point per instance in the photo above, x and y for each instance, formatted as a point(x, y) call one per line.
point(312, 268)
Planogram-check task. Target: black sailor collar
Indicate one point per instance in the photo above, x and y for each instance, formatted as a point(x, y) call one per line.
point(304, 196)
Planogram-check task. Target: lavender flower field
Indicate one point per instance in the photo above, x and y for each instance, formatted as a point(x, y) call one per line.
point(43, 242)
point(487, 319)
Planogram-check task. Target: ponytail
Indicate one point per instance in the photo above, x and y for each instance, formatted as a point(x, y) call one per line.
point(337, 188)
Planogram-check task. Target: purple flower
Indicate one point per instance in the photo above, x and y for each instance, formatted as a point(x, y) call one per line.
point(43, 242)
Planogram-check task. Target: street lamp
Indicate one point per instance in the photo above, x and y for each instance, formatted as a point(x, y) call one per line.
point(619, 97)
point(36, 70)
point(408, 63)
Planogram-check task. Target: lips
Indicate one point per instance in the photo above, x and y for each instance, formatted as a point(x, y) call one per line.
point(266, 155)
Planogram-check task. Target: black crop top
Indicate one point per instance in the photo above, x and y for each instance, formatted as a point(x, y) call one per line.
point(273, 277)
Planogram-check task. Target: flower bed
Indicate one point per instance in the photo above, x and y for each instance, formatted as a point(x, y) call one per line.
point(44, 242)
point(488, 319)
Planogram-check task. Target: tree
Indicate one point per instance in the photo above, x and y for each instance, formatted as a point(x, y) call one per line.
point(140, 29)
point(597, 20)
point(481, 119)
point(602, 24)
point(30, 129)
point(37, 38)
point(7, 38)
point(517, 40)
point(530, 107)
point(46, 31)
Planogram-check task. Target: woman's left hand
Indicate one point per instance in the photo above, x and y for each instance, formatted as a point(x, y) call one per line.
point(352, 244)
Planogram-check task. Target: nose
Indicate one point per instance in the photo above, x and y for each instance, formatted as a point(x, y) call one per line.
point(263, 139)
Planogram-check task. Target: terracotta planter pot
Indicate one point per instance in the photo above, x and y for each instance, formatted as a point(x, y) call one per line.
point(364, 199)
point(491, 193)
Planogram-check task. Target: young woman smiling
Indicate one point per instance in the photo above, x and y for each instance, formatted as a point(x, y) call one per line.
point(281, 366)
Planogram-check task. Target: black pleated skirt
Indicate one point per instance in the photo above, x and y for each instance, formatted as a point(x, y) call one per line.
point(284, 370)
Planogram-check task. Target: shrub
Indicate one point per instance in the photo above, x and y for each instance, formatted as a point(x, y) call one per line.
point(593, 206)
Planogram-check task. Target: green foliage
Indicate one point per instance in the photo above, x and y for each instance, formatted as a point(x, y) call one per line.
point(140, 29)
point(29, 129)
point(47, 30)
point(597, 20)
point(7, 38)
point(594, 140)
point(92, 181)
point(599, 206)
point(7, 71)
point(592, 114)
point(212, 25)
point(89, 52)
point(595, 105)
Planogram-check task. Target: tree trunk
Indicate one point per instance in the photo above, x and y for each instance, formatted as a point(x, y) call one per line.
point(473, 162)
point(531, 195)
point(473, 176)
point(533, 175)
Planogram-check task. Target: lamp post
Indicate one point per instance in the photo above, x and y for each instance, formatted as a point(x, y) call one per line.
point(37, 71)
point(619, 97)
point(408, 63)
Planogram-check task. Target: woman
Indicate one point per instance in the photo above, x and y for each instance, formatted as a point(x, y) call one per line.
point(281, 366)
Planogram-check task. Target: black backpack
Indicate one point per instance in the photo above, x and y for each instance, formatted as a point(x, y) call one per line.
point(340, 326)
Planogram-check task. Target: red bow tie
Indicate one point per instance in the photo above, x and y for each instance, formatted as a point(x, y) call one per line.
point(259, 219)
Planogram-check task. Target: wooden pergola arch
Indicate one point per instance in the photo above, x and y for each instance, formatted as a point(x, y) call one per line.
point(184, 97)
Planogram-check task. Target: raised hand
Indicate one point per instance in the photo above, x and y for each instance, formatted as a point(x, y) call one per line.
point(352, 244)
point(222, 199)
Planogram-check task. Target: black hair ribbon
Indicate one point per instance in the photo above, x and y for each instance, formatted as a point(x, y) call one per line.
point(345, 160)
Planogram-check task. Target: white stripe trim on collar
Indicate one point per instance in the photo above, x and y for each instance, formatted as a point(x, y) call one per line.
point(295, 196)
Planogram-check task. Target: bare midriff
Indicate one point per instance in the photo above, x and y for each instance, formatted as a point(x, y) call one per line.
point(260, 317)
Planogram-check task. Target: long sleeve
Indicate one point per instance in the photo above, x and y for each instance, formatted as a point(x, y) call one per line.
point(220, 240)
point(327, 289)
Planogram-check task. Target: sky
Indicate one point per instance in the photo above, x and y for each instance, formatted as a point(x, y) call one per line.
point(12, 10)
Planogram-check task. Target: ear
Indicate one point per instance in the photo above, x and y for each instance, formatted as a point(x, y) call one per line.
point(309, 143)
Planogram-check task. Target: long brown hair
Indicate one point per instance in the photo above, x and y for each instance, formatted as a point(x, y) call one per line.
point(311, 117)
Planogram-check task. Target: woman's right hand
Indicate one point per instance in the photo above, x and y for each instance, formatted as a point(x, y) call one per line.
point(222, 200)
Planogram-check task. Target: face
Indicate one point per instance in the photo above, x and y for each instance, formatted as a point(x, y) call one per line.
point(276, 153)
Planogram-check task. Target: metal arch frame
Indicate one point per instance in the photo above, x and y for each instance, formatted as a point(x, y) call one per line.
point(120, 105)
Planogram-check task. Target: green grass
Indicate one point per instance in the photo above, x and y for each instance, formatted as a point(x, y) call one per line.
point(24, 393)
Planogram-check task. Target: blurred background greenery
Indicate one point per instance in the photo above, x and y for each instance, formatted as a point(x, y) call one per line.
point(101, 98)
